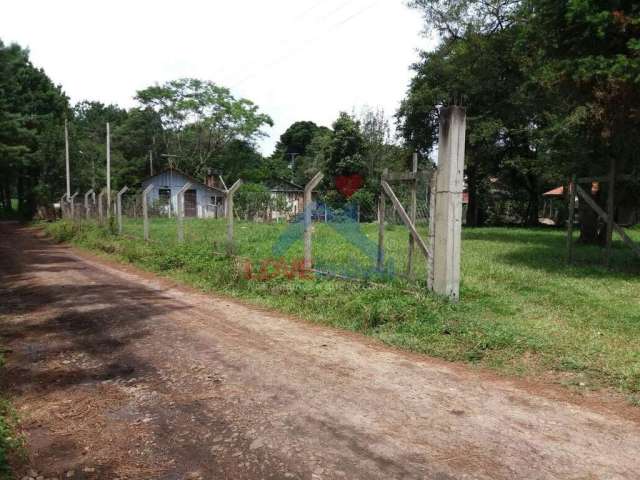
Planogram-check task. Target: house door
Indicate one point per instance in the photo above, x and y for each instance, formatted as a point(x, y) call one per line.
point(190, 204)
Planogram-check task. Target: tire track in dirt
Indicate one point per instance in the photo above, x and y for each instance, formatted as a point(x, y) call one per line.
point(126, 376)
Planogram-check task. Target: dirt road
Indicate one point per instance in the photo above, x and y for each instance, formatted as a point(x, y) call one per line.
point(120, 375)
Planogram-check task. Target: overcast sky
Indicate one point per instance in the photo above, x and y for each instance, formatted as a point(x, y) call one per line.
point(297, 59)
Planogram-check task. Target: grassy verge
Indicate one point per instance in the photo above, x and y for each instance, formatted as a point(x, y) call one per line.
point(11, 443)
point(523, 310)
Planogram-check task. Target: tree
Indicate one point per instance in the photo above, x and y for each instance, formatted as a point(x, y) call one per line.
point(200, 119)
point(586, 56)
point(299, 150)
point(32, 110)
point(345, 156)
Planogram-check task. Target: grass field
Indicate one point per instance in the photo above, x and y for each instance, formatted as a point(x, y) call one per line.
point(523, 310)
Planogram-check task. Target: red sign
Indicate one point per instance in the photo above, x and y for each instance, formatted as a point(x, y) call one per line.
point(347, 185)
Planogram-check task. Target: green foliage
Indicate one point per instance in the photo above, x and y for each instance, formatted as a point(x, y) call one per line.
point(345, 155)
point(300, 152)
point(551, 90)
point(251, 200)
point(200, 118)
point(11, 443)
point(31, 112)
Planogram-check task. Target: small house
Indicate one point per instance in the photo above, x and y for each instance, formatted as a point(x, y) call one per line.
point(287, 194)
point(203, 200)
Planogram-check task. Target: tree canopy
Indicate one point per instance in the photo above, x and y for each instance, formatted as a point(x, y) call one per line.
point(551, 89)
point(200, 119)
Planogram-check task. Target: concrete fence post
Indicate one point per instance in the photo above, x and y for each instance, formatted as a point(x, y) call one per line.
point(229, 213)
point(382, 213)
point(448, 207)
point(308, 225)
point(101, 205)
point(63, 200)
point(180, 212)
point(72, 203)
point(413, 191)
point(145, 211)
point(87, 207)
point(432, 226)
point(119, 208)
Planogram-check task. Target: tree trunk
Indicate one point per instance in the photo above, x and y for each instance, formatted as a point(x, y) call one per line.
point(20, 191)
point(533, 207)
point(474, 217)
point(592, 230)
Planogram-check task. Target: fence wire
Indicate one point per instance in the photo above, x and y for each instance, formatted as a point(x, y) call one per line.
point(269, 228)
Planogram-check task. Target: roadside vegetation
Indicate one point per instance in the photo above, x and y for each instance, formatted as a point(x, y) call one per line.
point(11, 443)
point(523, 310)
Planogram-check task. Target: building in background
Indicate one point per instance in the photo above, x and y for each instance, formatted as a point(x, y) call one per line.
point(203, 200)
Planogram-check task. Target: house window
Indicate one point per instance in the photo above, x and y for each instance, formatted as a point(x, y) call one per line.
point(165, 196)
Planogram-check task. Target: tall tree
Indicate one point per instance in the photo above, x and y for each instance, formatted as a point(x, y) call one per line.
point(32, 110)
point(200, 118)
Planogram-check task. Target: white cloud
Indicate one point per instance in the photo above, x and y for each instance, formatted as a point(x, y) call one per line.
point(297, 59)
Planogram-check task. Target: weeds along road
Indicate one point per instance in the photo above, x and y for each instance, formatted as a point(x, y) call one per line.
point(117, 374)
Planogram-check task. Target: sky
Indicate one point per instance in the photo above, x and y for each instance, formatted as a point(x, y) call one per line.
point(297, 59)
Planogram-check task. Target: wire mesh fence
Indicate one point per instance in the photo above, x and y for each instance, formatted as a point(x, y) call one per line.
point(268, 228)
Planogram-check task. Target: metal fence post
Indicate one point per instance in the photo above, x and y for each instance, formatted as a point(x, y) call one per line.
point(180, 213)
point(229, 213)
point(119, 208)
point(308, 226)
point(145, 211)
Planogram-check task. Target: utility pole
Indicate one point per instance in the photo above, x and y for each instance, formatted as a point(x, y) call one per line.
point(108, 171)
point(292, 160)
point(151, 161)
point(172, 163)
point(66, 156)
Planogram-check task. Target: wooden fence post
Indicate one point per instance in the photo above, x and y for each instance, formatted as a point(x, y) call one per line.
point(119, 208)
point(381, 219)
point(180, 212)
point(229, 213)
point(145, 211)
point(87, 208)
point(450, 185)
point(413, 189)
point(571, 219)
point(308, 225)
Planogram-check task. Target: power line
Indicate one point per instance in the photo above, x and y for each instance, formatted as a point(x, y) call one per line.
point(301, 27)
point(306, 43)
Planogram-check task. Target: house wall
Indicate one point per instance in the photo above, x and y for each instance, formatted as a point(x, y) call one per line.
point(295, 204)
point(175, 181)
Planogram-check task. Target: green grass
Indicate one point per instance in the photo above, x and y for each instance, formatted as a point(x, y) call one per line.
point(523, 310)
point(11, 443)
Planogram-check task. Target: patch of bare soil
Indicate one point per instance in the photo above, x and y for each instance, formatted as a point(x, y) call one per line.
point(121, 375)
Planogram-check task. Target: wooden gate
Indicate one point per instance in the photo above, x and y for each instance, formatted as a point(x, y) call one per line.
point(190, 203)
